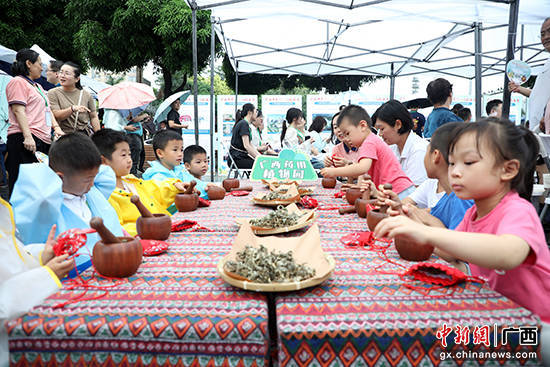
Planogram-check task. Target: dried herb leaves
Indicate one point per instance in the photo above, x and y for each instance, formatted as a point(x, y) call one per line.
point(259, 265)
point(277, 219)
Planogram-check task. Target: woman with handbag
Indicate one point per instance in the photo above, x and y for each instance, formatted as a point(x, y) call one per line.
point(72, 106)
point(30, 119)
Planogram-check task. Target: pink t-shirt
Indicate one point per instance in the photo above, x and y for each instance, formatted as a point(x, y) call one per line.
point(340, 151)
point(20, 91)
point(528, 284)
point(384, 168)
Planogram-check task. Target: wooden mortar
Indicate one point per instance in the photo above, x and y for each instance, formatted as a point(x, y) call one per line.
point(188, 201)
point(215, 193)
point(116, 257)
point(151, 226)
point(230, 183)
point(328, 182)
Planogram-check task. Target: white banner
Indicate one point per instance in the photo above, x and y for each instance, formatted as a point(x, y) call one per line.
point(325, 105)
point(225, 123)
point(187, 115)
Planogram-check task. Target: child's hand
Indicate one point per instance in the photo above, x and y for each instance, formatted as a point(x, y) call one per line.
point(48, 253)
point(403, 227)
point(328, 172)
point(388, 197)
point(339, 161)
point(61, 265)
point(367, 185)
point(181, 186)
point(328, 161)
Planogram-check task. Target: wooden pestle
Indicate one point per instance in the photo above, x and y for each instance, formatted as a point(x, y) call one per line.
point(384, 208)
point(347, 210)
point(145, 213)
point(366, 193)
point(106, 235)
point(191, 187)
point(245, 188)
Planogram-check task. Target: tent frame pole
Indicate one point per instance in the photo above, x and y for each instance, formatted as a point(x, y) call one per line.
point(512, 29)
point(478, 53)
point(213, 161)
point(195, 72)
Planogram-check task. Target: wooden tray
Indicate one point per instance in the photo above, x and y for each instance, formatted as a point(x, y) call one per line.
point(260, 231)
point(236, 280)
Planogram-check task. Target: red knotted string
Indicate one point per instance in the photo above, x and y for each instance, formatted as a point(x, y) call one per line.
point(309, 202)
point(367, 241)
point(203, 203)
point(339, 194)
point(69, 242)
point(185, 224)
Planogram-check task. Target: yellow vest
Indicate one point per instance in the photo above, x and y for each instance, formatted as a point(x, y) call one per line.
point(157, 196)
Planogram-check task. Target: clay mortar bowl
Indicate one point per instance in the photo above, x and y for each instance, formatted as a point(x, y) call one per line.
point(118, 260)
point(157, 227)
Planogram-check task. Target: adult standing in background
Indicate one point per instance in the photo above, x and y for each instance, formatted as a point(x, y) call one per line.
point(52, 71)
point(173, 118)
point(4, 124)
point(540, 94)
point(440, 94)
point(72, 106)
point(134, 133)
point(31, 120)
point(242, 150)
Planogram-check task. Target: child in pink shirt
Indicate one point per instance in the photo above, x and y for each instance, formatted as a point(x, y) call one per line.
point(374, 156)
point(501, 237)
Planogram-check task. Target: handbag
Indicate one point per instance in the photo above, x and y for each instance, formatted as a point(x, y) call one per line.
point(88, 130)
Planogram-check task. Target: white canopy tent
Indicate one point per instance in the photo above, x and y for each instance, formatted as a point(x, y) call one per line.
point(468, 38)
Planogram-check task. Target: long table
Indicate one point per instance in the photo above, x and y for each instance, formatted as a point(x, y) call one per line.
point(177, 311)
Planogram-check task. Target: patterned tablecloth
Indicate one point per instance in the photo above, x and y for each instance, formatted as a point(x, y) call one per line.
point(177, 311)
point(362, 316)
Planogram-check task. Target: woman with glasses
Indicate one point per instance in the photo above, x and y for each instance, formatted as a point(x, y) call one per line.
point(30, 118)
point(72, 106)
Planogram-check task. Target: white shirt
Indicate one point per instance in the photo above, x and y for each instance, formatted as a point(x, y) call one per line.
point(540, 95)
point(412, 157)
point(78, 205)
point(256, 139)
point(291, 140)
point(426, 195)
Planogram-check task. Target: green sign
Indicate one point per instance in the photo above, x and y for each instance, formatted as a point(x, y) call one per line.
point(289, 165)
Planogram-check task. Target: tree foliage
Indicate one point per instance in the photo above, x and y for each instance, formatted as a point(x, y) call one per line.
point(261, 83)
point(24, 23)
point(119, 34)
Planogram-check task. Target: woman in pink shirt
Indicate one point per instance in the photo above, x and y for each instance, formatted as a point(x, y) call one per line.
point(31, 120)
point(500, 237)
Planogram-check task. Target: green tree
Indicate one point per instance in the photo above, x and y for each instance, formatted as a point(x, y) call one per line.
point(119, 34)
point(24, 23)
point(260, 83)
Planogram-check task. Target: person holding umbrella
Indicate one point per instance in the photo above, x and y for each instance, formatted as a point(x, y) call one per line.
point(173, 117)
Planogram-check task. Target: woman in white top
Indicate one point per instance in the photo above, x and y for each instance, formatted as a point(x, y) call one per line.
point(294, 136)
point(319, 144)
point(395, 124)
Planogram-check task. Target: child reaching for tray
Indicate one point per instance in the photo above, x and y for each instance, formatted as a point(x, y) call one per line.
point(500, 238)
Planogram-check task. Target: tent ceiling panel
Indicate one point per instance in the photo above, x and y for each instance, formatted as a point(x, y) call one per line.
point(317, 37)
